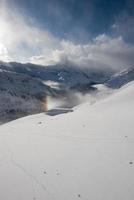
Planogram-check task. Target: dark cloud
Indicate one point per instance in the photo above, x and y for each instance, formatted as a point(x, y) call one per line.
point(68, 19)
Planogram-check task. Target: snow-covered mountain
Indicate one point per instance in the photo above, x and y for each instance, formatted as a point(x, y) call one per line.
point(85, 154)
point(72, 152)
point(121, 78)
point(65, 75)
point(23, 87)
point(20, 94)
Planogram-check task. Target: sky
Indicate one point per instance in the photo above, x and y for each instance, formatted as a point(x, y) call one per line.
point(87, 33)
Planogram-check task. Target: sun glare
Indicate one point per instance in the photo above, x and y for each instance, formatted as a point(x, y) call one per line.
point(4, 53)
point(4, 56)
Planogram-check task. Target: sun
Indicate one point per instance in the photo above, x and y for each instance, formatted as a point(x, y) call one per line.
point(3, 49)
point(4, 56)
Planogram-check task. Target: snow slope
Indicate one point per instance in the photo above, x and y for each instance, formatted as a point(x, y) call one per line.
point(86, 154)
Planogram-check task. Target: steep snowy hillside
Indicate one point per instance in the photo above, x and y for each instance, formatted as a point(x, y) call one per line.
point(122, 78)
point(85, 154)
point(20, 95)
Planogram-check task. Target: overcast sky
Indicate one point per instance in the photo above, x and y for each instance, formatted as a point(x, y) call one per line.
point(90, 33)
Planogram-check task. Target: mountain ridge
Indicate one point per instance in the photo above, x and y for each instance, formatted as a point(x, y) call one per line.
point(24, 87)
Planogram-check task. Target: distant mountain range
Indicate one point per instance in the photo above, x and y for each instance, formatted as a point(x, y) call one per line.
point(66, 76)
point(25, 87)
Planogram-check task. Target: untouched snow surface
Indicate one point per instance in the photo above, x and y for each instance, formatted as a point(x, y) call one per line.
point(87, 154)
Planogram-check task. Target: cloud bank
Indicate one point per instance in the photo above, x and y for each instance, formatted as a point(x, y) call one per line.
point(102, 52)
point(23, 41)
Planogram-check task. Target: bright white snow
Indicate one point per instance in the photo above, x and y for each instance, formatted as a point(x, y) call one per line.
point(87, 154)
